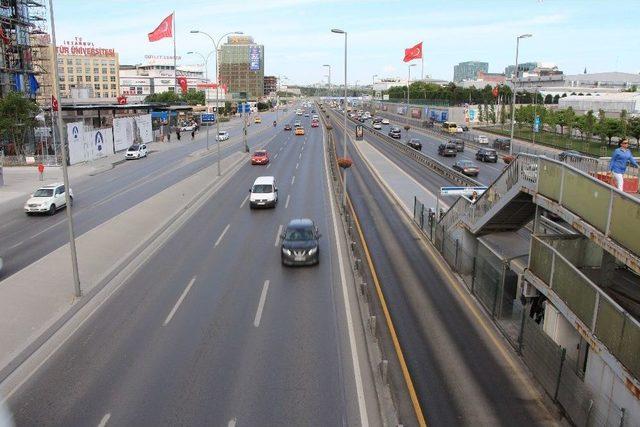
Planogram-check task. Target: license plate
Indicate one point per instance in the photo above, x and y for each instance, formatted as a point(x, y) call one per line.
point(298, 258)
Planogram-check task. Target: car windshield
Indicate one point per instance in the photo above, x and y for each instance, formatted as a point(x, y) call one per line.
point(134, 148)
point(222, 133)
point(43, 192)
point(260, 153)
point(415, 141)
point(263, 188)
point(298, 234)
point(466, 164)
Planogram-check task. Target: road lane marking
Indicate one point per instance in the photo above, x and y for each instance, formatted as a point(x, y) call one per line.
point(48, 228)
point(268, 165)
point(263, 298)
point(297, 164)
point(286, 205)
point(293, 179)
point(175, 307)
point(222, 235)
point(278, 235)
point(104, 420)
point(244, 201)
point(232, 422)
point(300, 156)
point(362, 405)
point(276, 156)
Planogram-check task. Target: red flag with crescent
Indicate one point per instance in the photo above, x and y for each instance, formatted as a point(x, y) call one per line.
point(165, 29)
point(182, 82)
point(412, 53)
point(495, 92)
point(54, 103)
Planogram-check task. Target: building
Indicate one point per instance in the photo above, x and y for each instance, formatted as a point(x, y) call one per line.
point(611, 103)
point(20, 20)
point(468, 70)
point(270, 84)
point(87, 74)
point(42, 54)
point(241, 67)
point(386, 83)
point(483, 79)
point(527, 69)
point(579, 84)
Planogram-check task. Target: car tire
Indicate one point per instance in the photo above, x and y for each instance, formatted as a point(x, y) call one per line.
point(52, 209)
point(29, 213)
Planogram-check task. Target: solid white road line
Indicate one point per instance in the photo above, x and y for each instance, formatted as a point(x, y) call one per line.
point(222, 235)
point(232, 422)
point(276, 156)
point(175, 307)
point(278, 235)
point(286, 205)
point(263, 298)
point(268, 165)
point(293, 179)
point(104, 420)
point(362, 405)
point(297, 164)
point(244, 201)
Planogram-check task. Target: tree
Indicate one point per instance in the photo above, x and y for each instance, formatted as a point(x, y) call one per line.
point(551, 119)
point(503, 115)
point(481, 117)
point(570, 119)
point(623, 122)
point(581, 125)
point(164, 97)
point(262, 106)
point(548, 99)
point(520, 116)
point(17, 118)
point(195, 97)
point(589, 124)
point(556, 98)
point(608, 128)
point(492, 113)
point(633, 128)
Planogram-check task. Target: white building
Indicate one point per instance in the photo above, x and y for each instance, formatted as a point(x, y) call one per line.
point(611, 103)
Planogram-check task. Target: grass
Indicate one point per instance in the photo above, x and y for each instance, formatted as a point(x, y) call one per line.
point(557, 141)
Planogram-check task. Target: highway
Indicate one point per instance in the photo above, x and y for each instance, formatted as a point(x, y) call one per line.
point(463, 371)
point(213, 330)
point(98, 198)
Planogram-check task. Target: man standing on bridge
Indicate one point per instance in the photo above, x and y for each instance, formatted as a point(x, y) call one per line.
point(619, 160)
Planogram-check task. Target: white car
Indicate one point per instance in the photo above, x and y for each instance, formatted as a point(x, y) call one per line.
point(187, 128)
point(459, 129)
point(223, 135)
point(377, 126)
point(385, 121)
point(481, 139)
point(47, 199)
point(136, 151)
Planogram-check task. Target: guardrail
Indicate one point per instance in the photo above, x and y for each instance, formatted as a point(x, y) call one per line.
point(425, 160)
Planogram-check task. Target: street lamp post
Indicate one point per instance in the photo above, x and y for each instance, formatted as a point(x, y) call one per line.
point(65, 173)
point(513, 95)
point(329, 66)
point(344, 150)
point(408, 84)
point(373, 83)
point(215, 46)
point(206, 79)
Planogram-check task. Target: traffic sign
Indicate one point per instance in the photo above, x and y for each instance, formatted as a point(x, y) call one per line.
point(461, 191)
point(244, 108)
point(208, 117)
point(536, 124)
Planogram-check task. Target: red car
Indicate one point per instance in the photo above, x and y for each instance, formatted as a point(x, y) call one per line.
point(315, 124)
point(260, 157)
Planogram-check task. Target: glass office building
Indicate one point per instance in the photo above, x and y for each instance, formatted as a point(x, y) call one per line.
point(241, 67)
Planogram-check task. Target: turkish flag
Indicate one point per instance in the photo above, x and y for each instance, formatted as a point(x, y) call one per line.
point(412, 53)
point(182, 81)
point(495, 92)
point(54, 103)
point(122, 100)
point(165, 29)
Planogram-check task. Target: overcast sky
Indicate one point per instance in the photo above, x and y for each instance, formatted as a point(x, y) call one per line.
point(574, 34)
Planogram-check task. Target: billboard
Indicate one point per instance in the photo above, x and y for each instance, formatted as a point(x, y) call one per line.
point(438, 115)
point(401, 110)
point(143, 122)
point(384, 107)
point(416, 113)
point(100, 142)
point(130, 130)
point(78, 151)
point(254, 58)
point(85, 146)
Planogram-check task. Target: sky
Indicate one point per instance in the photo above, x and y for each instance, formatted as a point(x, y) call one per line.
point(573, 34)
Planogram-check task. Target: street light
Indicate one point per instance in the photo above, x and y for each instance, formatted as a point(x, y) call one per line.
point(329, 66)
point(408, 83)
point(215, 45)
point(373, 82)
point(206, 79)
point(65, 173)
point(344, 151)
point(513, 95)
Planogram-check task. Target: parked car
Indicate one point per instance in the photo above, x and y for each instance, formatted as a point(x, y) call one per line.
point(287, 127)
point(300, 243)
point(187, 128)
point(459, 144)
point(223, 135)
point(260, 157)
point(487, 155)
point(395, 132)
point(447, 150)
point(466, 167)
point(501, 143)
point(136, 151)
point(415, 143)
point(47, 199)
point(481, 139)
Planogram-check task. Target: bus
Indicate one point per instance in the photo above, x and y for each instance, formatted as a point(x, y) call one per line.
point(449, 127)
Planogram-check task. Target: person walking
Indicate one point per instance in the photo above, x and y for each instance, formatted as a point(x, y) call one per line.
point(193, 134)
point(619, 160)
point(178, 133)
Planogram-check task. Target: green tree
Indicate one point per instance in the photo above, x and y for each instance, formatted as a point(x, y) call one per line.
point(570, 119)
point(548, 99)
point(492, 113)
point(599, 127)
point(17, 119)
point(623, 122)
point(556, 98)
point(608, 128)
point(194, 97)
point(589, 124)
point(520, 116)
point(581, 124)
point(551, 119)
point(481, 117)
point(503, 115)
point(633, 128)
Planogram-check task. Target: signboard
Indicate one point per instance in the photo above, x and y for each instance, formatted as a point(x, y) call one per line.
point(208, 117)
point(401, 110)
point(130, 130)
point(79, 47)
point(359, 133)
point(416, 113)
point(143, 123)
point(461, 191)
point(254, 58)
point(536, 124)
point(78, 151)
point(438, 115)
point(244, 108)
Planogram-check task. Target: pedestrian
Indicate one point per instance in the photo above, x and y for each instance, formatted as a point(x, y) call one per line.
point(619, 160)
point(178, 134)
point(193, 134)
point(474, 196)
point(169, 135)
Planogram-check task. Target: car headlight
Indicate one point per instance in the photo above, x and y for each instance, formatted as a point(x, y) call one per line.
point(286, 251)
point(313, 250)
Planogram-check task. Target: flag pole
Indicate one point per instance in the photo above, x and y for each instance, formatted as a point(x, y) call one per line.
point(422, 68)
point(175, 67)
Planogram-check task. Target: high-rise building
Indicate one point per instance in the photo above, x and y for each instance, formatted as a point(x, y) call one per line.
point(241, 67)
point(20, 20)
point(87, 72)
point(522, 68)
point(469, 70)
point(270, 84)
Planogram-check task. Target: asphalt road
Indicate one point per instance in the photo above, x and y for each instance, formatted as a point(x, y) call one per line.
point(455, 357)
point(98, 198)
point(213, 330)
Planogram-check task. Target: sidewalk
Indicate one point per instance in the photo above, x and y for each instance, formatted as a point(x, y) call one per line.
point(36, 301)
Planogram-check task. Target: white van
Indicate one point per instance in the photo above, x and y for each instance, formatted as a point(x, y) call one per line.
point(264, 193)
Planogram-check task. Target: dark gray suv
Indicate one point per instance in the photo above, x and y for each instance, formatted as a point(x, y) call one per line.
point(300, 243)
